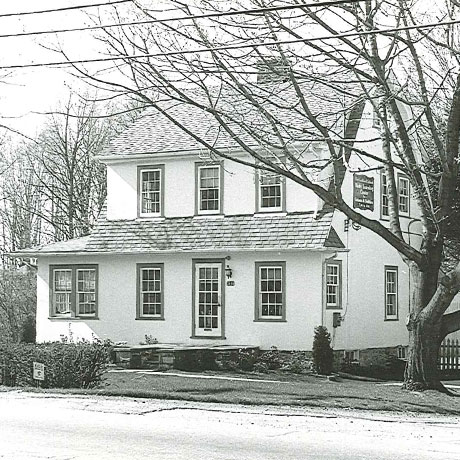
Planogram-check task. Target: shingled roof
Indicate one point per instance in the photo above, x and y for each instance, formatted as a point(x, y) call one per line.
point(154, 132)
point(190, 234)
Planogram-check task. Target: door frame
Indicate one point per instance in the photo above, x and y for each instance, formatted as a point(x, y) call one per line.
point(220, 261)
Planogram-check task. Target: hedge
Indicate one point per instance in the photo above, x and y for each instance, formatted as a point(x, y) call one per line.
point(67, 365)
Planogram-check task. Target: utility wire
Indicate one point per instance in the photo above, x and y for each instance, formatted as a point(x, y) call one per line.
point(182, 18)
point(67, 8)
point(231, 47)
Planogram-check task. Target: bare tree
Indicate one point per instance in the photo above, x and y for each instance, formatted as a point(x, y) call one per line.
point(72, 183)
point(208, 63)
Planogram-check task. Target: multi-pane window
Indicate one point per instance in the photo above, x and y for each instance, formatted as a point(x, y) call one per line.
point(209, 189)
point(270, 291)
point(73, 291)
point(385, 208)
point(150, 191)
point(270, 191)
point(333, 285)
point(62, 291)
point(391, 293)
point(403, 193)
point(86, 291)
point(150, 291)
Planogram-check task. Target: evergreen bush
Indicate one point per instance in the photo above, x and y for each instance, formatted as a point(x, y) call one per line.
point(322, 352)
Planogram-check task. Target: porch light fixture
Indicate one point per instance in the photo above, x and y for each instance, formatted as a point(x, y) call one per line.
point(228, 272)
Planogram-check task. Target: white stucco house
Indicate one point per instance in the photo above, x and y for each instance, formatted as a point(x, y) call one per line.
point(196, 249)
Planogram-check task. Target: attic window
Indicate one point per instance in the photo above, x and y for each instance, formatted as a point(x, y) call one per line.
point(151, 191)
point(270, 191)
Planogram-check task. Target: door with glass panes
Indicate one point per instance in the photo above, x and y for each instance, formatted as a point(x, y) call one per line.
point(208, 299)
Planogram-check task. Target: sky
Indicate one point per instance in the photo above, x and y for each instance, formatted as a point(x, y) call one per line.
point(24, 91)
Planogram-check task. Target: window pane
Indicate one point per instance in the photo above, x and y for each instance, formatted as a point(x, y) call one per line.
point(151, 295)
point(385, 209)
point(209, 184)
point(86, 291)
point(270, 190)
point(151, 191)
point(391, 292)
point(270, 292)
point(333, 287)
point(403, 191)
point(62, 288)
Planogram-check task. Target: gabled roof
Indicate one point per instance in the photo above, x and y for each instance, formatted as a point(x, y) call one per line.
point(153, 132)
point(300, 231)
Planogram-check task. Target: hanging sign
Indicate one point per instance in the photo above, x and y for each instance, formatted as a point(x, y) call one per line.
point(363, 192)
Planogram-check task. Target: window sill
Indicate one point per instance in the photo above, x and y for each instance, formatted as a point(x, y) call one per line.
point(73, 318)
point(274, 212)
point(221, 337)
point(217, 215)
point(391, 319)
point(270, 320)
point(150, 318)
point(339, 307)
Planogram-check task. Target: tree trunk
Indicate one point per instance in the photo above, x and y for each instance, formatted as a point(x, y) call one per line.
point(428, 325)
point(422, 365)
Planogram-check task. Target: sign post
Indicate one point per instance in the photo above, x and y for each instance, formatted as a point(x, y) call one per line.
point(38, 372)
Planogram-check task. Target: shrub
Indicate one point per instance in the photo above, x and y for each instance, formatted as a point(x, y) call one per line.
point(67, 365)
point(322, 352)
point(298, 363)
point(270, 359)
point(28, 333)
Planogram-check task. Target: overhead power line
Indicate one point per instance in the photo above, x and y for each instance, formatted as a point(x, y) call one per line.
point(181, 18)
point(230, 47)
point(67, 8)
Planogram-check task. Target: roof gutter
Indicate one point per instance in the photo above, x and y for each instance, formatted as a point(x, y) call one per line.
point(171, 251)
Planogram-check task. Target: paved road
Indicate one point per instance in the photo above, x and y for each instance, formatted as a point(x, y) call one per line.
point(76, 427)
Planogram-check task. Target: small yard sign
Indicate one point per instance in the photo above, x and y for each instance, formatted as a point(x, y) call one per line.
point(363, 192)
point(39, 371)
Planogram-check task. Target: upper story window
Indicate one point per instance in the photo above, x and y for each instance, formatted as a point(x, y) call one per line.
point(334, 284)
point(391, 292)
point(403, 193)
point(384, 200)
point(73, 291)
point(270, 191)
point(270, 291)
point(209, 189)
point(151, 191)
point(403, 186)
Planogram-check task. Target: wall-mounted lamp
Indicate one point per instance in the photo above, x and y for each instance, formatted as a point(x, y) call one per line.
point(228, 270)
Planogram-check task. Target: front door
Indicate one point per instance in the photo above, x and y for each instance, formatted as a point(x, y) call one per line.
point(208, 298)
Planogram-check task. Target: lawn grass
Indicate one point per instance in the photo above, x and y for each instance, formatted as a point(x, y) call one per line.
point(275, 389)
point(280, 390)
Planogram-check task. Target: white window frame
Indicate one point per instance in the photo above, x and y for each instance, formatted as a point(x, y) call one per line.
point(64, 292)
point(260, 293)
point(393, 293)
point(73, 293)
point(91, 292)
point(260, 176)
point(337, 285)
point(404, 180)
point(384, 199)
point(142, 194)
point(159, 268)
point(200, 168)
